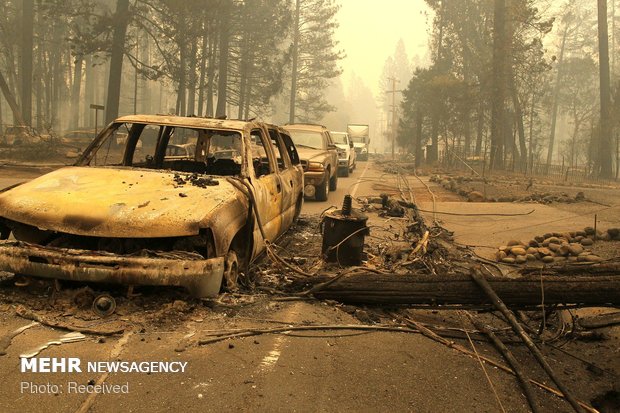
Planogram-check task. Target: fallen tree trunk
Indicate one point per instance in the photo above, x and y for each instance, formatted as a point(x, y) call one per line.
point(526, 291)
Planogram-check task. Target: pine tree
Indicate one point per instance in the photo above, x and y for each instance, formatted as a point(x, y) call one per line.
point(314, 58)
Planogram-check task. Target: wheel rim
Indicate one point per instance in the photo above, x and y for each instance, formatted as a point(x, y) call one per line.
point(231, 271)
point(327, 186)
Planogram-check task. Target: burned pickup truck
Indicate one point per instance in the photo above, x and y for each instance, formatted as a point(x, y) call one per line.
point(132, 211)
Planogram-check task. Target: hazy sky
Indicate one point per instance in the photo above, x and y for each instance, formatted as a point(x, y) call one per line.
point(370, 29)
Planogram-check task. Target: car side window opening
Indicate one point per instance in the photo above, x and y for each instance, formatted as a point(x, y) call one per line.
point(290, 148)
point(282, 157)
point(260, 154)
point(329, 140)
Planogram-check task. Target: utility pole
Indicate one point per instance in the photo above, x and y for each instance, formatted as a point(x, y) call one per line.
point(393, 92)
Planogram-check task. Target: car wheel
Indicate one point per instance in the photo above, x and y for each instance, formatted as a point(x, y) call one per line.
point(333, 182)
point(298, 205)
point(322, 190)
point(345, 173)
point(231, 271)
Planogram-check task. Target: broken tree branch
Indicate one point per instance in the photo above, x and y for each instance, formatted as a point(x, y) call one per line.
point(259, 331)
point(522, 377)
point(30, 315)
point(499, 304)
point(451, 344)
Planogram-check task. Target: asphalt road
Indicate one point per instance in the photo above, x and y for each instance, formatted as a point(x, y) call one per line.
point(355, 184)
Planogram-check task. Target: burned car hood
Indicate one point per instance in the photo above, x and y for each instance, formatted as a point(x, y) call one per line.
point(116, 202)
point(309, 154)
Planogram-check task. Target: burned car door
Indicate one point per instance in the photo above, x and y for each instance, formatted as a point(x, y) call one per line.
point(267, 184)
point(290, 176)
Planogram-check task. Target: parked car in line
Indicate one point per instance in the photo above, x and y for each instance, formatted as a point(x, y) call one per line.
point(346, 152)
point(184, 210)
point(360, 135)
point(80, 138)
point(319, 158)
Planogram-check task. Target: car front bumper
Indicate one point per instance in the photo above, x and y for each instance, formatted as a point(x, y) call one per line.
point(202, 277)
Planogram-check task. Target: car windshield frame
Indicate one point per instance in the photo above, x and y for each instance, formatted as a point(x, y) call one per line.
point(204, 154)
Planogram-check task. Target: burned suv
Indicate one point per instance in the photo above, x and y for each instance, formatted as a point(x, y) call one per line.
point(319, 158)
point(133, 211)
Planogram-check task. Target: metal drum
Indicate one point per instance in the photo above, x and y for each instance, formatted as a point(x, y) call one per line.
point(343, 235)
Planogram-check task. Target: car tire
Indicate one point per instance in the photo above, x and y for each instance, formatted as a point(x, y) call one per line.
point(333, 182)
point(322, 190)
point(345, 171)
point(298, 205)
point(231, 271)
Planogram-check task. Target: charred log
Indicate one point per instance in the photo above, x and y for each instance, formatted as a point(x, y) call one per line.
point(459, 289)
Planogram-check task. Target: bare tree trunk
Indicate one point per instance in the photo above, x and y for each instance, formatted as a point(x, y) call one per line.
point(211, 77)
point(75, 93)
point(418, 137)
point(516, 103)
point(10, 99)
point(203, 70)
point(243, 74)
point(605, 146)
point(248, 100)
point(433, 156)
point(222, 86)
point(181, 93)
point(146, 103)
point(499, 73)
point(295, 57)
point(480, 128)
point(88, 99)
point(48, 86)
point(573, 146)
point(530, 155)
point(26, 60)
point(38, 90)
point(116, 60)
point(191, 92)
point(556, 94)
point(135, 75)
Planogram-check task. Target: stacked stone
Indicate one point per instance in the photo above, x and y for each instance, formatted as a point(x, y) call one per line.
point(556, 247)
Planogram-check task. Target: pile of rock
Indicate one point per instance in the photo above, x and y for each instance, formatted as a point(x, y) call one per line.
point(457, 185)
point(556, 247)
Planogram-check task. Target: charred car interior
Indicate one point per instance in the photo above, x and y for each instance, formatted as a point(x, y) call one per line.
point(157, 200)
